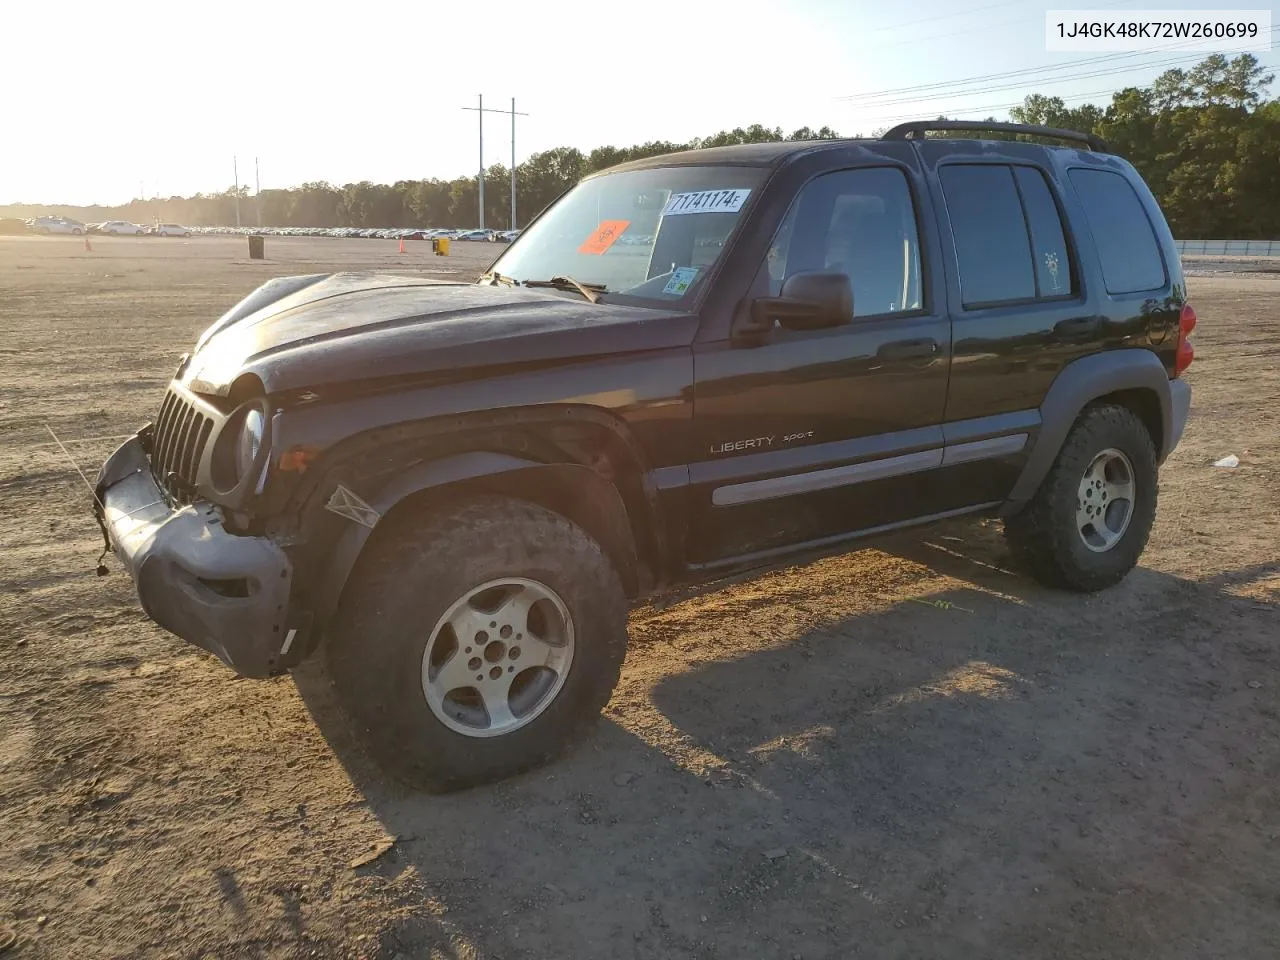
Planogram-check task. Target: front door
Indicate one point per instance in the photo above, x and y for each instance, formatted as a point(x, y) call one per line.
point(815, 434)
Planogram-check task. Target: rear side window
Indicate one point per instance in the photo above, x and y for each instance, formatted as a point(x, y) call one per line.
point(1048, 243)
point(990, 233)
point(1126, 243)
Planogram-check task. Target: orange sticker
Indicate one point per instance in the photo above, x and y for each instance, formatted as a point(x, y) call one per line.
point(603, 237)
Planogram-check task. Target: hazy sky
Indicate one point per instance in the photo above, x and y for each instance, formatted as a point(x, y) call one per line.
point(103, 99)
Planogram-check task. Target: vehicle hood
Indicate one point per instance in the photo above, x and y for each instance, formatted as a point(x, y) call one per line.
point(303, 332)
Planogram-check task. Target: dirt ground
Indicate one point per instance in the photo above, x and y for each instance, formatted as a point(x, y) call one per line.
point(905, 751)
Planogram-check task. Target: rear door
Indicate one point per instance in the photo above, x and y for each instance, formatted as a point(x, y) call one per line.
point(1019, 305)
point(815, 434)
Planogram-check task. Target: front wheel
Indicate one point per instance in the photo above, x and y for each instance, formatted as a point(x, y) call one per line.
point(1088, 524)
point(77, 231)
point(476, 642)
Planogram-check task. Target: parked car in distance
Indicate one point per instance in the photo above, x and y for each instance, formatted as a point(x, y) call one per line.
point(483, 235)
point(117, 228)
point(169, 230)
point(504, 236)
point(450, 493)
point(57, 225)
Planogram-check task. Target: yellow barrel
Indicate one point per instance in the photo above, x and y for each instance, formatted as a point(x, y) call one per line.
point(442, 246)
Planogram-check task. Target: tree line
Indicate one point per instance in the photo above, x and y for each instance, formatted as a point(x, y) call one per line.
point(1205, 139)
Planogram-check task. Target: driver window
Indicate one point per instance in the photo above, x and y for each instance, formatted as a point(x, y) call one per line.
point(860, 223)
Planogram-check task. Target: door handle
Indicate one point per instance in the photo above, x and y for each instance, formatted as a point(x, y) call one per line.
point(1077, 327)
point(908, 349)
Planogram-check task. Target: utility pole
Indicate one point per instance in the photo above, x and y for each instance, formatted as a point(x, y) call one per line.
point(235, 171)
point(482, 110)
point(513, 164)
point(480, 179)
point(257, 191)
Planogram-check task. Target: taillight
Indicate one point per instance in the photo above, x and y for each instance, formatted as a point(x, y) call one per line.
point(1186, 353)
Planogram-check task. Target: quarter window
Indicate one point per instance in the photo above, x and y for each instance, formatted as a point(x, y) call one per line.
point(1122, 233)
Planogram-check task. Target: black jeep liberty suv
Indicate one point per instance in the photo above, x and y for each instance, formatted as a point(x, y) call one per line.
point(688, 365)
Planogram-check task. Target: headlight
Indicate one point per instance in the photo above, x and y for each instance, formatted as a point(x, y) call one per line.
point(249, 442)
point(238, 450)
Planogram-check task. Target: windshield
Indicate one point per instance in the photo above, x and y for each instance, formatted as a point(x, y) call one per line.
point(644, 233)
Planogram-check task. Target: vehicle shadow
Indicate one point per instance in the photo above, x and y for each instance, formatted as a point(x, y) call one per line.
point(966, 765)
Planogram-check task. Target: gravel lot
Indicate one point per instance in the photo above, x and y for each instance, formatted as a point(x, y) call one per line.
point(905, 751)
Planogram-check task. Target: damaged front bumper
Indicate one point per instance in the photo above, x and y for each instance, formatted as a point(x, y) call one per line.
point(224, 593)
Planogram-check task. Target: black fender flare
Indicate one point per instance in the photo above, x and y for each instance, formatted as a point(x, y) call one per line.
point(602, 506)
point(1079, 383)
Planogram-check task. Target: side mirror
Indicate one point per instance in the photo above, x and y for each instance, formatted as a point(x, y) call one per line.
point(809, 301)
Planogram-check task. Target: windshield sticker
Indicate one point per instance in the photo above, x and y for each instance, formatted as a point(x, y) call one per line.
point(681, 280)
point(706, 201)
point(603, 236)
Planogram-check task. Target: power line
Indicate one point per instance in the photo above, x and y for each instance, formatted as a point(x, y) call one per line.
point(943, 84)
point(985, 26)
point(1028, 71)
point(1049, 81)
point(987, 108)
point(957, 112)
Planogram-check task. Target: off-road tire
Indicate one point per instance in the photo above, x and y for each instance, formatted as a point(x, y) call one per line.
point(1044, 537)
point(407, 578)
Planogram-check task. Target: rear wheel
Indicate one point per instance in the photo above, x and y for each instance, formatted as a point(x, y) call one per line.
point(1089, 522)
point(477, 642)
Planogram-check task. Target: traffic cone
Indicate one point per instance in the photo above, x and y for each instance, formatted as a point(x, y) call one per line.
point(87, 245)
point(402, 244)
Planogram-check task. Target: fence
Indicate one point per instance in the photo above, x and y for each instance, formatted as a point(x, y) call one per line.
point(1246, 248)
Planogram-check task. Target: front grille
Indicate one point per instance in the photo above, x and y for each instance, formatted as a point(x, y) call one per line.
point(177, 443)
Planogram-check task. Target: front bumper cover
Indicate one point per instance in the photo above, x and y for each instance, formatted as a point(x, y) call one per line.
point(224, 593)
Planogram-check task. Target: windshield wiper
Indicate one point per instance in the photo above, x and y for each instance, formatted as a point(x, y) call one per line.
point(493, 276)
point(591, 291)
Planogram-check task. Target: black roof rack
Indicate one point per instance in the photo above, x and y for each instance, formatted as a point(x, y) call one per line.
point(916, 129)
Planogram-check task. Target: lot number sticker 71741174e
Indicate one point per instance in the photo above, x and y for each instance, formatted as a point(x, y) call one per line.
point(706, 201)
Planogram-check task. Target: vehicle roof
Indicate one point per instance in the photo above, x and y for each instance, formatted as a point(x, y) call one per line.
point(738, 154)
point(773, 153)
